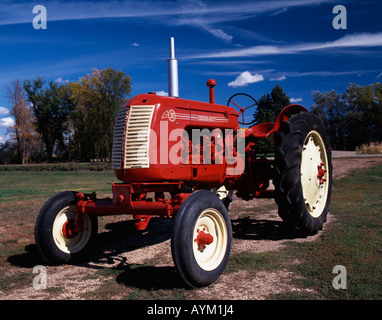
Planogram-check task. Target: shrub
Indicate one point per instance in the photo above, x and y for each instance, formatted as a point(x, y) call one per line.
point(372, 148)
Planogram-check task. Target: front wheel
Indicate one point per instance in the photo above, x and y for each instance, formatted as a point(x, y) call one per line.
point(202, 238)
point(303, 173)
point(56, 236)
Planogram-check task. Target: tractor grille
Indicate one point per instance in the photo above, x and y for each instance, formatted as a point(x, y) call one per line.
point(138, 137)
point(119, 137)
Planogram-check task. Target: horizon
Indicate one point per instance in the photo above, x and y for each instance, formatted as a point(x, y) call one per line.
point(248, 47)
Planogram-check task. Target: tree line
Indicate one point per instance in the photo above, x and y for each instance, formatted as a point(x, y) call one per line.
point(68, 122)
point(75, 121)
point(351, 119)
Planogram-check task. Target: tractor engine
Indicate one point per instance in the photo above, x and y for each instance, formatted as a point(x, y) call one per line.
point(166, 139)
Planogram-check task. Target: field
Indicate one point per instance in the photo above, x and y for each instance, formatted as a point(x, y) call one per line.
point(266, 261)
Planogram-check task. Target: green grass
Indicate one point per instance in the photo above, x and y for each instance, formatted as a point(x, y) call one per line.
point(22, 194)
point(353, 239)
point(21, 185)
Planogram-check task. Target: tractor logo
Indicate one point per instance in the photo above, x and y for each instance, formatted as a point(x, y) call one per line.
point(170, 115)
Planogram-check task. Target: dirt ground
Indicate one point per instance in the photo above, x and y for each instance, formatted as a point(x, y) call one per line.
point(118, 246)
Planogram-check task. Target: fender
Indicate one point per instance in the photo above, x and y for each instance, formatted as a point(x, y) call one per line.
point(286, 113)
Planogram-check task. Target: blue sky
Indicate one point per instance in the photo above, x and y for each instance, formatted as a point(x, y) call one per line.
point(246, 46)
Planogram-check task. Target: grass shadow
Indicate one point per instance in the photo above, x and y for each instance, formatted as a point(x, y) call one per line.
point(254, 229)
point(151, 278)
point(28, 259)
point(120, 237)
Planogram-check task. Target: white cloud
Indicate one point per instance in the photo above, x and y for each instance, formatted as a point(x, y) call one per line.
point(246, 52)
point(294, 100)
point(5, 138)
point(134, 44)
point(61, 80)
point(4, 111)
point(352, 40)
point(283, 77)
point(245, 78)
point(195, 13)
point(186, 10)
point(219, 33)
point(327, 73)
point(7, 122)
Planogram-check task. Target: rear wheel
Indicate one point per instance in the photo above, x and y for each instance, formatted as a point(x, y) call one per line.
point(202, 238)
point(56, 236)
point(303, 175)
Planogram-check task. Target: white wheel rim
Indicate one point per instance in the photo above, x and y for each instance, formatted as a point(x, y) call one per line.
point(210, 256)
point(314, 181)
point(79, 241)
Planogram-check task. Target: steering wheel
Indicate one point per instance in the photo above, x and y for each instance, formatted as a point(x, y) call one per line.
point(253, 103)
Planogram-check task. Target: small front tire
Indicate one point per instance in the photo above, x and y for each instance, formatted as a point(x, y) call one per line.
point(56, 241)
point(202, 239)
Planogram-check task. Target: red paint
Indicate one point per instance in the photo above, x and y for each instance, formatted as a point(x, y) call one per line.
point(69, 229)
point(203, 239)
point(211, 84)
point(321, 173)
point(286, 113)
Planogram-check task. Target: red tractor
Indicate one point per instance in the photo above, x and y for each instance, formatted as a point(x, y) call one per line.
point(190, 156)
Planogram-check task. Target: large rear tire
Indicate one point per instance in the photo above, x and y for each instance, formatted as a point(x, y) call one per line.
point(202, 238)
point(303, 173)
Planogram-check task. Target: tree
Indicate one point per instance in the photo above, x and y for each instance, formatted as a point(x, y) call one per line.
point(51, 105)
point(330, 108)
point(268, 108)
point(8, 152)
point(352, 118)
point(356, 120)
point(98, 97)
point(369, 104)
point(23, 132)
point(279, 100)
point(270, 105)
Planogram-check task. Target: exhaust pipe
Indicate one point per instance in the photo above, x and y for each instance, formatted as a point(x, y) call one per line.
point(172, 67)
